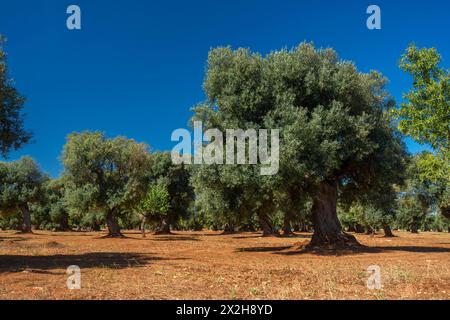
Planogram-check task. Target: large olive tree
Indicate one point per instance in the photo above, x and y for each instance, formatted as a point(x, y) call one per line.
point(336, 139)
point(104, 175)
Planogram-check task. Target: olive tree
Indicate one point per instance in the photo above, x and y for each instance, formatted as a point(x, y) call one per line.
point(21, 184)
point(336, 136)
point(156, 205)
point(103, 175)
point(176, 178)
point(12, 133)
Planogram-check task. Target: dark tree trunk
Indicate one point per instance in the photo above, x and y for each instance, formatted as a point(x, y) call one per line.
point(415, 229)
point(164, 226)
point(96, 227)
point(229, 229)
point(327, 227)
point(64, 223)
point(267, 225)
point(445, 211)
point(287, 230)
point(388, 232)
point(113, 226)
point(26, 223)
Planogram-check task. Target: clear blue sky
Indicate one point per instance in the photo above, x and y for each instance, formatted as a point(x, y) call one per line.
point(136, 67)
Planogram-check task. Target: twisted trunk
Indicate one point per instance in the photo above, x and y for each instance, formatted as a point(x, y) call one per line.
point(26, 223)
point(113, 226)
point(327, 228)
point(164, 226)
point(267, 225)
point(229, 229)
point(445, 211)
point(64, 223)
point(388, 232)
point(287, 230)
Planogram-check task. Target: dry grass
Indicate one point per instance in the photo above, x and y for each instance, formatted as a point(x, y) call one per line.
point(206, 265)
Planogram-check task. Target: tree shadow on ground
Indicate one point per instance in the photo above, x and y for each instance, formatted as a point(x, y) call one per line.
point(172, 237)
point(110, 260)
point(12, 239)
point(295, 250)
point(263, 249)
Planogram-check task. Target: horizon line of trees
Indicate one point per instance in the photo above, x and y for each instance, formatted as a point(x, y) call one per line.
point(343, 163)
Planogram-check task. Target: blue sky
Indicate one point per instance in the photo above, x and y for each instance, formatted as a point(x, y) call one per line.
point(136, 67)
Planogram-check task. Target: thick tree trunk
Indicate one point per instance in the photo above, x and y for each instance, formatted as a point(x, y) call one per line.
point(327, 227)
point(267, 225)
point(287, 230)
point(113, 226)
point(164, 226)
point(26, 223)
point(64, 224)
point(229, 229)
point(359, 229)
point(445, 211)
point(388, 232)
point(96, 227)
point(415, 229)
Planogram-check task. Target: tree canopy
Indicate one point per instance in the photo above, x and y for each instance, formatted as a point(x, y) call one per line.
point(21, 183)
point(336, 134)
point(425, 116)
point(104, 175)
point(12, 132)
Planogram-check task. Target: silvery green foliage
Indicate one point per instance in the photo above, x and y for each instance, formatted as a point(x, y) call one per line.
point(21, 183)
point(332, 118)
point(103, 174)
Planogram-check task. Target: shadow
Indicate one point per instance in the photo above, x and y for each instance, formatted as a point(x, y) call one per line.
point(355, 250)
point(171, 238)
point(249, 237)
point(415, 249)
point(296, 236)
point(111, 260)
point(12, 239)
point(263, 249)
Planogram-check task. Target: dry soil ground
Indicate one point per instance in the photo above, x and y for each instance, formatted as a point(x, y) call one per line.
point(207, 265)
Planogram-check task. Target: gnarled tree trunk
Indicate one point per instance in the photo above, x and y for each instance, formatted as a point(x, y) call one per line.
point(388, 231)
point(327, 227)
point(164, 226)
point(113, 226)
point(267, 225)
point(64, 223)
point(445, 211)
point(26, 223)
point(287, 230)
point(229, 229)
